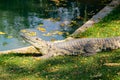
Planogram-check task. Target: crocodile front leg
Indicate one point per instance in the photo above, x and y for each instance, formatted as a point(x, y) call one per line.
point(49, 55)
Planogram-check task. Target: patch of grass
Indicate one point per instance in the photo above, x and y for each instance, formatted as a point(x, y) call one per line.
point(109, 26)
point(26, 67)
point(15, 67)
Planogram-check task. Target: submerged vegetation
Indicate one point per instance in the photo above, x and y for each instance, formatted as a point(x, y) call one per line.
point(102, 66)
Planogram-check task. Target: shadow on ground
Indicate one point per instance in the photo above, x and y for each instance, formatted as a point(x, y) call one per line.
point(22, 66)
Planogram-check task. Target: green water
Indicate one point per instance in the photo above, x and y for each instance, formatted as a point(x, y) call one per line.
point(16, 15)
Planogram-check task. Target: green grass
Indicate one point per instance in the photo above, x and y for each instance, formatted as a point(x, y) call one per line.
point(26, 67)
point(109, 26)
point(23, 67)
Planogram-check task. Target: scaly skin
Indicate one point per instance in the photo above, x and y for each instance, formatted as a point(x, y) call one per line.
point(84, 46)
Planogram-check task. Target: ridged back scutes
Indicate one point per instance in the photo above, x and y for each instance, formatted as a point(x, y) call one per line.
point(80, 43)
point(112, 43)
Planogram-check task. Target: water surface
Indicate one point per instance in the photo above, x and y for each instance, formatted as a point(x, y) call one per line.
point(49, 21)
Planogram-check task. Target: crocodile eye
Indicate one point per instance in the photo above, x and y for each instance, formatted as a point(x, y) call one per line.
point(36, 38)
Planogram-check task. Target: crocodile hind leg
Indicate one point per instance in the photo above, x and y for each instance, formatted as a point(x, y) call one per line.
point(90, 48)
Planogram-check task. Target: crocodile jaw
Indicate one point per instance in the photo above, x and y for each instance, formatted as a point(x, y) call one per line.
point(41, 45)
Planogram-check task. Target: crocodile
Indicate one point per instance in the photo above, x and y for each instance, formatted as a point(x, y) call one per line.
point(82, 46)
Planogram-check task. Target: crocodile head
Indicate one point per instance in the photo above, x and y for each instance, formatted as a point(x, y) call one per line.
point(41, 45)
